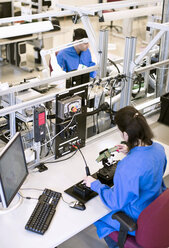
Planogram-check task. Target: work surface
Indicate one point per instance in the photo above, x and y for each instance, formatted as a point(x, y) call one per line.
point(67, 221)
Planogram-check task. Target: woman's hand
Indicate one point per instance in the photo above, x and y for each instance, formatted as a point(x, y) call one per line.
point(88, 180)
point(123, 148)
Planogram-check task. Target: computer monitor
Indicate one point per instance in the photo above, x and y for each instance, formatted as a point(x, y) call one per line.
point(5, 9)
point(13, 169)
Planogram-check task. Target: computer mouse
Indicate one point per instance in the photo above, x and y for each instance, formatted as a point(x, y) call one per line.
point(77, 205)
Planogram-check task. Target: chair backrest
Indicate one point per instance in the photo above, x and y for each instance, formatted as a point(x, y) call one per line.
point(50, 65)
point(153, 223)
point(108, 1)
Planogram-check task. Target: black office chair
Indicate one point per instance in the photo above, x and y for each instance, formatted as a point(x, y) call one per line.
point(111, 26)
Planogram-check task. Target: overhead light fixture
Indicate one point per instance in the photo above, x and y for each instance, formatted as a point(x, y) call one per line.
point(25, 29)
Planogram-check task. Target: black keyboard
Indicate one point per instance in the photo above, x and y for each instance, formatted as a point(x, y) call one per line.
point(43, 212)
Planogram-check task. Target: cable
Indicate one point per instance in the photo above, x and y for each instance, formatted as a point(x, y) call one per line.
point(57, 161)
point(86, 166)
point(59, 132)
point(64, 200)
point(27, 197)
point(111, 61)
point(50, 148)
point(68, 203)
point(97, 116)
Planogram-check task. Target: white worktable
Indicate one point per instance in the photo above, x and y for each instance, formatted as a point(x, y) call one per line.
point(67, 221)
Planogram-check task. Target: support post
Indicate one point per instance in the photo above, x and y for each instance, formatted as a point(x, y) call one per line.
point(103, 49)
point(162, 74)
point(12, 122)
point(129, 56)
point(90, 33)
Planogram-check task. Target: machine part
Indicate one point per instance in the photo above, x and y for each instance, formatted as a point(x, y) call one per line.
point(106, 174)
point(39, 124)
point(37, 55)
point(24, 96)
point(71, 109)
point(29, 155)
point(21, 54)
point(106, 153)
point(69, 106)
point(3, 122)
point(82, 190)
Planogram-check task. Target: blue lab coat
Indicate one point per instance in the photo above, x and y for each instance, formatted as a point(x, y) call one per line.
point(138, 180)
point(69, 60)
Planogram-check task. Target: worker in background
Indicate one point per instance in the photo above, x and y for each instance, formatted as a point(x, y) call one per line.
point(138, 179)
point(78, 56)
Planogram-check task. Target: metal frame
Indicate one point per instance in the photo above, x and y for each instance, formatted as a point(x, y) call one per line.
point(129, 55)
point(129, 63)
point(29, 18)
point(94, 8)
point(132, 63)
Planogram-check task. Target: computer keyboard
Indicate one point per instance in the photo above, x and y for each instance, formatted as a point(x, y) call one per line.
point(43, 212)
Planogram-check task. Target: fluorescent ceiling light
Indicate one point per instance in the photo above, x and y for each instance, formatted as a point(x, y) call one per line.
point(24, 29)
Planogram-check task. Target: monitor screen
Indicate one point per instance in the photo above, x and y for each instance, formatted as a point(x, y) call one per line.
point(22, 48)
point(5, 9)
point(13, 169)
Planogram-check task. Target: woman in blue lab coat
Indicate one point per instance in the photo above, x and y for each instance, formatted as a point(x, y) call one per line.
point(76, 57)
point(138, 179)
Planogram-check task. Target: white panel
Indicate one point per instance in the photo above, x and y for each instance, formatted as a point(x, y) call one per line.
point(23, 29)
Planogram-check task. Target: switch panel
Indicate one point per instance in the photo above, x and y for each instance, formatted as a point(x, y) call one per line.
point(71, 109)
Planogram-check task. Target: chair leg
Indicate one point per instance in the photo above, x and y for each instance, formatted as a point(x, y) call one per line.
point(111, 24)
point(122, 237)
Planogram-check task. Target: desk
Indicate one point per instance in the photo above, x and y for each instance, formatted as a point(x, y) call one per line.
point(67, 221)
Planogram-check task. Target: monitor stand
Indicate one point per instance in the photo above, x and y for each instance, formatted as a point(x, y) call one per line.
point(13, 205)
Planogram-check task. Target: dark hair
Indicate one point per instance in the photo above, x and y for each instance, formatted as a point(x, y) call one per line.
point(79, 34)
point(131, 121)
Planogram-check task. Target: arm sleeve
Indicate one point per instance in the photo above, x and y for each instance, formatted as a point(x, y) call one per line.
point(120, 195)
point(91, 63)
point(61, 61)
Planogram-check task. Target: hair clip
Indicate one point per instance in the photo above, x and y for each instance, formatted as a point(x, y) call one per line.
point(135, 115)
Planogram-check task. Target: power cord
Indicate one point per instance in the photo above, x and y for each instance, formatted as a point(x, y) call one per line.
point(28, 197)
point(61, 160)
